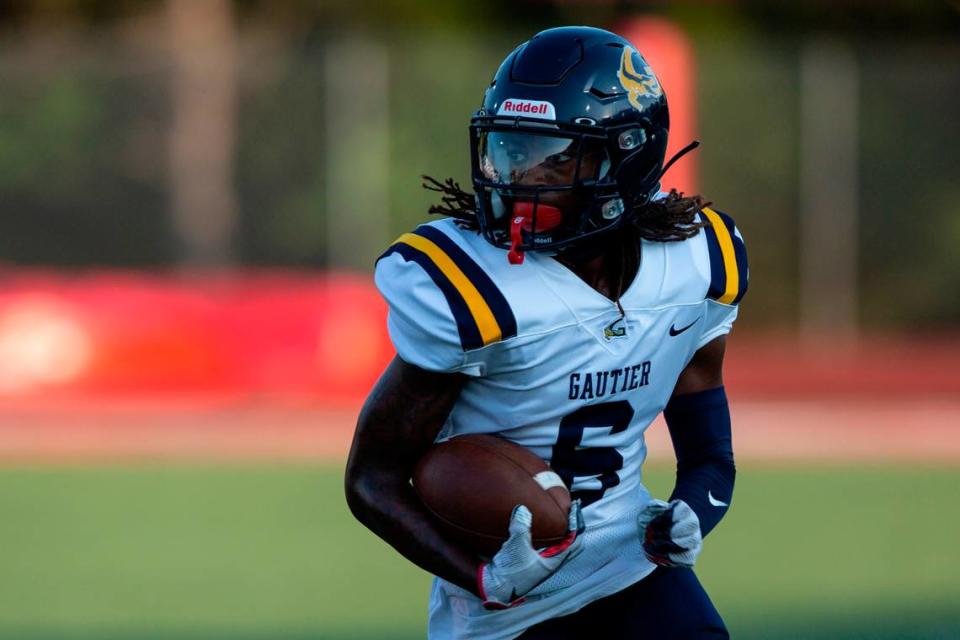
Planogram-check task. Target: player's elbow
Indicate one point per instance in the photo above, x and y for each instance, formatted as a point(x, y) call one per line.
point(716, 458)
point(360, 480)
point(357, 484)
point(368, 487)
point(358, 494)
point(728, 471)
point(724, 460)
point(364, 492)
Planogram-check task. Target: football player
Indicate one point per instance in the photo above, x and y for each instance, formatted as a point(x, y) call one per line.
point(562, 304)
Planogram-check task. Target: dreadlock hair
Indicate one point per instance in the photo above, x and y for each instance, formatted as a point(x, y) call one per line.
point(664, 220)
point(454, 202)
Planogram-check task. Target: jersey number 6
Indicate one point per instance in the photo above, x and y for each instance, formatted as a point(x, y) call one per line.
point(570, 461)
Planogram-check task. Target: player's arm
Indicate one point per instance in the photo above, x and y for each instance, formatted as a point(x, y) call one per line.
point(398, 423)
point(697, 414)
point(698, 418)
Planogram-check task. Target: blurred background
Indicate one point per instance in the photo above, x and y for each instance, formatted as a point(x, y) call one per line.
point(193, 193)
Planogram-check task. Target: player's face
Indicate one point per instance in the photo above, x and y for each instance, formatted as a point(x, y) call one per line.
point(540, 160)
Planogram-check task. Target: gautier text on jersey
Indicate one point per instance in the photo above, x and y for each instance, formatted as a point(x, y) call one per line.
point(597, 384)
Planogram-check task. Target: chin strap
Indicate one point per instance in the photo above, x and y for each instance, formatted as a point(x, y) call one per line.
point(515, 256)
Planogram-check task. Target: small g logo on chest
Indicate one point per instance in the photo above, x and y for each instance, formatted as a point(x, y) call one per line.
point(616, 329)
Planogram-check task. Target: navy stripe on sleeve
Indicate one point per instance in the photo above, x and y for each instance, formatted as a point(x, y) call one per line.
point(718, 274)
point(469, 333)
point(740, 251)
point(478, 277)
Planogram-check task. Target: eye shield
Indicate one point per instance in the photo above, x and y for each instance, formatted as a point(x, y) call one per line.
point(516, 158)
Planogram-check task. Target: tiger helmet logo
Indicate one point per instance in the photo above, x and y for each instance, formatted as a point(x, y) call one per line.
point(637, 82)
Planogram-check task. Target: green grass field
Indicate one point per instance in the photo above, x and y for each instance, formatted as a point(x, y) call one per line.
point(255, 552)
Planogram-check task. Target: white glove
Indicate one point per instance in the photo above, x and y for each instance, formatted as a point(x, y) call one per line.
point(518, 567)
point(670, 533)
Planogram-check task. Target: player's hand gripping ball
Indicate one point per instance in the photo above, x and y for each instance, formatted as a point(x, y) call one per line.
point(518, 567)
point(670, 533)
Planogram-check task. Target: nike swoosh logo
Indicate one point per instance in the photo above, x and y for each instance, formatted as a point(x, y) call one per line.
point(675, 332)
point(715, 502)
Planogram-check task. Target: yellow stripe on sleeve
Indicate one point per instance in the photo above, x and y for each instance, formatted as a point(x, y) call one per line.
point(729, 257)
point(479, 309)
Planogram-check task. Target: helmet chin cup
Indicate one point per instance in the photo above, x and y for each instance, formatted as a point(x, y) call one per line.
point(532, 218)
point(546, 216)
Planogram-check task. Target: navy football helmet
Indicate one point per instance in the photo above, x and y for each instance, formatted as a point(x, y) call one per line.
point(569, 141)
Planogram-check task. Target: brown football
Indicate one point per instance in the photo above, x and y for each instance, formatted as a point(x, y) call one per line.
point(471, 484)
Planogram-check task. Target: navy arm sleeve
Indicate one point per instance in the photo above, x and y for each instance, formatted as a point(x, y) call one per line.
point(699, 426)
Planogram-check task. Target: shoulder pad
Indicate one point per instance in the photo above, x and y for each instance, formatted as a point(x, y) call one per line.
point(480, 310)
point(729, 273)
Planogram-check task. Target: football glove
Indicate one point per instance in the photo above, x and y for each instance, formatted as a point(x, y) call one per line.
point(670, 533)
point(518, 567)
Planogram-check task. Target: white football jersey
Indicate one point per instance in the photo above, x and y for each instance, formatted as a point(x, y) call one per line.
point(558, 368)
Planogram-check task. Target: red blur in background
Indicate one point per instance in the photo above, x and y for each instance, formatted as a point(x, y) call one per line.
point(321, 339)
point(104, 336)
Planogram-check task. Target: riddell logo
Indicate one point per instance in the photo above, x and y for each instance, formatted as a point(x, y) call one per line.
point(528, 108)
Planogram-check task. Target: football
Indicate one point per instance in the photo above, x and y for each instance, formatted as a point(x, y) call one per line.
point(471, 484)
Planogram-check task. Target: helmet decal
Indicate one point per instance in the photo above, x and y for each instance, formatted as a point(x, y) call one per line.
point(637, 83)
point(529, 108)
